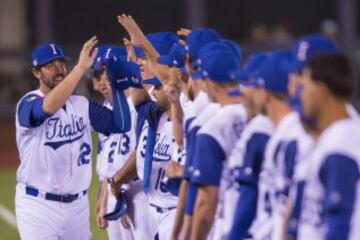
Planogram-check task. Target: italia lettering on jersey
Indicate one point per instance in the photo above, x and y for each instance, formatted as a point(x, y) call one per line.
point(331, 196)
point(43, 147)
point(160, 194)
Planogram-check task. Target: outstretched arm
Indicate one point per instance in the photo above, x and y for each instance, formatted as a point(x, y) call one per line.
point(138, 39)
point(57, 97)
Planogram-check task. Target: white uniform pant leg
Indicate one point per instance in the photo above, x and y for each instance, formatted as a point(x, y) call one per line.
point(36, 218)
point(144, 223)
point(165, 222)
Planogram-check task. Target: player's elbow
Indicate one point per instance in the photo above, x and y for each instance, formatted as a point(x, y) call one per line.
point(48, 108)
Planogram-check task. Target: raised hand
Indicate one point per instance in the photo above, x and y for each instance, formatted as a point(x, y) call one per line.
point(88, 53)
point(136, 34)
point(131, 56)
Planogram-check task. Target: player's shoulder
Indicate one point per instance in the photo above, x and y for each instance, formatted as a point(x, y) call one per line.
point(32, 95)
point(261, 124)
point(341, 136)
point(210, 110)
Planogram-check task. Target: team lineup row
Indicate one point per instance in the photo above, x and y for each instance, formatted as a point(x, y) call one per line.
point(192, 144)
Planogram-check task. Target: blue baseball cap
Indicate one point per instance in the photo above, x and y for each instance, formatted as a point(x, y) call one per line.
point(161, 41)
point(245, 76)
point(254, 62)
point(211, 46)
point(175, 58)
point(46, 53)
point(216, 65)
point(272, 75)
point(234, 47)
point(309, 46)
point(198, 38)
point(105, 52)
point(152, 81)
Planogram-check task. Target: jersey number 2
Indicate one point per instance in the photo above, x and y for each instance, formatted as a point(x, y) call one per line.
point(84, 157)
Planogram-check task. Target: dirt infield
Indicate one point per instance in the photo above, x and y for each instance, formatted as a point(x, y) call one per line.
point(9, 157)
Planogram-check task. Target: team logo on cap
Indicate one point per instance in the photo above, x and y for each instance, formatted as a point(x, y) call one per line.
point(303, 48)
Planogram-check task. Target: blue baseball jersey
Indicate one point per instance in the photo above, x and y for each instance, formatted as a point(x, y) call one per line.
point(331, 195)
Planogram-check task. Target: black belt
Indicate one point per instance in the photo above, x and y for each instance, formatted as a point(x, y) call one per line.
point(68, 198)
point(160, 209)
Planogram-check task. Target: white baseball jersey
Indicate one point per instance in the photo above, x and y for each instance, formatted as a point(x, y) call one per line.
point(55, 156)
point(215, 141)
point(264, 221)
point(243, 162)
point(295, 146)
point(332, 186)
point(163, 153)
point(114, 150)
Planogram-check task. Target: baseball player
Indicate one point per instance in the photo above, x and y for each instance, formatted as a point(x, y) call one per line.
point(216, 138)
point(53, 134)
point(271, 96)
point(247, 157)
point(156, 143)
point(331, 191)
point(315, 45)
point(114, 151)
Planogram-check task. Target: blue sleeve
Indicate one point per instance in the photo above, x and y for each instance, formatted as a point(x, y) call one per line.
point(190, 149)
point(190, 199)
point(106, 121)
point(30, 111)
point(245, 212)
point(253, 159)
point(151, 111)
point(339, 175)
point(290, 158)
point(208, 161)
point(296, 211)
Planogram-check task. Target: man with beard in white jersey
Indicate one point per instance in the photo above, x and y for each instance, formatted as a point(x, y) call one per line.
point(330, 204)
point(216, 138)
point(53, 132)
point(247, 157)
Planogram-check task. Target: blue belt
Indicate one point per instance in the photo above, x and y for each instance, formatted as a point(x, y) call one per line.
point(68, 198)
point(160, 209)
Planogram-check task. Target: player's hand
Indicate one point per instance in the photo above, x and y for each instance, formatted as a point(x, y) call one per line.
point(87, 54)
point(136, 35)
point(101, 222)
point(173, 170)
point(131, 56)
point(172, 92)
point(125, 221)
point(183, 32)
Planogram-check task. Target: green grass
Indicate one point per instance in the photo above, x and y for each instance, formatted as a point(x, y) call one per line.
point(7, 195)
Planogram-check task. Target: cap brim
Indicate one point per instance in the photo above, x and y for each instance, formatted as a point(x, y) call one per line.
point(293, 66)
point(241, 76)
point(152, 81)
point(53, 58)
point(235, 93)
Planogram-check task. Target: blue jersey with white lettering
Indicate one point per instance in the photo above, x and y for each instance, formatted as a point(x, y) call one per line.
point(55, 151)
